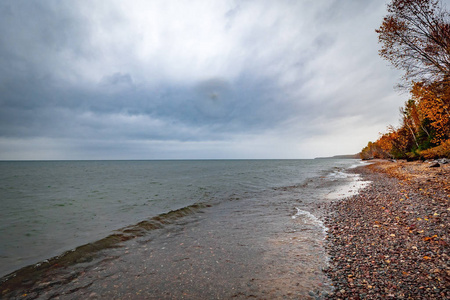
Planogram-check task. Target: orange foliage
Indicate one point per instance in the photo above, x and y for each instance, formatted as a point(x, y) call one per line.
point(442, 150)
point(433, 109)
point(425, 124)
point(415, 37)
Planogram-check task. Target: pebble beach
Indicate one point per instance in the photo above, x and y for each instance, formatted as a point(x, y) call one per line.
point(388, 239)
point(391, 241)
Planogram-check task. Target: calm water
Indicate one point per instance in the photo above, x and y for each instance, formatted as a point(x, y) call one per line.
point(48, 207)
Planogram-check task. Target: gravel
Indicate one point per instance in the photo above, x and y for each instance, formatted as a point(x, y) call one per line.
point(391, 241)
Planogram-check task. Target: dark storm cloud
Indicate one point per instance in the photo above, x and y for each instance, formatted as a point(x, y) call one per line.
point(166, 72)
point(215, 106)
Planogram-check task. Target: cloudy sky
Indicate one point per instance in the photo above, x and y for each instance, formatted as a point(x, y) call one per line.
point(192, 79)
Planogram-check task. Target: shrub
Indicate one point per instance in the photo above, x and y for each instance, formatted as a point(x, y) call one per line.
point(443, 150)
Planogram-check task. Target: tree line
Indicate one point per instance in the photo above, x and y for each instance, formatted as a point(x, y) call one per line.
point(415, 37)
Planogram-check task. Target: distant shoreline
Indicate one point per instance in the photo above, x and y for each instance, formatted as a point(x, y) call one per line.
point(345, 156)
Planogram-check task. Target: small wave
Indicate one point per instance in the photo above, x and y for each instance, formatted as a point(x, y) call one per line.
point(313, 219)
point(359, 164)
point(349, 189)
point(338, 175)
point(88, 251)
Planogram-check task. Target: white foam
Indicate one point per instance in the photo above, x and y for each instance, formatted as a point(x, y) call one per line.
point(349, 189)
point(310, 216)
point(338, 174)
point(358, 164)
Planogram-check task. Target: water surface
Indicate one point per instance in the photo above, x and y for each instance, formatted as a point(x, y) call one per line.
point(255, 210)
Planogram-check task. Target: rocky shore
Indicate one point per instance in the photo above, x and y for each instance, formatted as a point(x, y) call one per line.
point(391, 241)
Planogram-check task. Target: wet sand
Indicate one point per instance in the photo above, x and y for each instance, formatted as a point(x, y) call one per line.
point(391, 241)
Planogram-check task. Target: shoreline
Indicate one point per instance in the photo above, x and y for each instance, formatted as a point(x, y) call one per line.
point(391, 240)
point(374, 246)
point(267, 245)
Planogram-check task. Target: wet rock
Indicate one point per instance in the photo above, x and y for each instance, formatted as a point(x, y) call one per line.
point(444, 161)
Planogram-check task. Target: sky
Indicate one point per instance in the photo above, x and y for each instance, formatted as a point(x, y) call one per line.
point(222, 79)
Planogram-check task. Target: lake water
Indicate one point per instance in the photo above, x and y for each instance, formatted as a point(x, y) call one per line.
point(49, 207)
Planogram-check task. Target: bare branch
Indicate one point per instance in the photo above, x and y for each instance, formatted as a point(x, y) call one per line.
point(415, 37)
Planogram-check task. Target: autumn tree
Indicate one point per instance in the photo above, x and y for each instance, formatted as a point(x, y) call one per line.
point(372, 150)
point(433, 109)
point(415, 37)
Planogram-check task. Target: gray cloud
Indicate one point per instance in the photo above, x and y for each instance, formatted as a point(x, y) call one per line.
point(204, 79)
point(117, 79)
